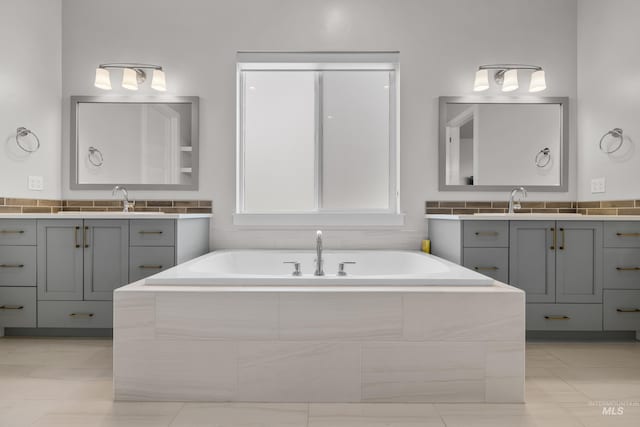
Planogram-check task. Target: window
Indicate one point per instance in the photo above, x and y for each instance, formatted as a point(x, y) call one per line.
point(317, 137)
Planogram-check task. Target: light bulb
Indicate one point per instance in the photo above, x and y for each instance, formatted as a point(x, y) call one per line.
point(130, 79)
point(482, 81)
point(159, 82)
point(103, 81)
point(510, 81)
point(538, 81)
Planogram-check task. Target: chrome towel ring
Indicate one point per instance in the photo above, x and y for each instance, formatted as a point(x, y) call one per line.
point(543, 157)
point(615, 133)
point(23, 132)
point(95, 157)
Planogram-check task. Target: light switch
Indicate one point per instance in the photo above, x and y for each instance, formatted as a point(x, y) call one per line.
point(598, 185)
point(36, 182)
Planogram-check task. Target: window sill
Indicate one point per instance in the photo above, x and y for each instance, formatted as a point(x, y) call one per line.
point(311, 220)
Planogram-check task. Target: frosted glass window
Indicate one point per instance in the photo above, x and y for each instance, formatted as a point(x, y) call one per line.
point(355, 161)
point(279, 141)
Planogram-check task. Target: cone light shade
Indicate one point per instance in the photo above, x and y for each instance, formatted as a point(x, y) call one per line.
point(482, 81)
point(538, 81)
point(102, 81)
point(510, 81)
point(129, 79)
point(159, 82)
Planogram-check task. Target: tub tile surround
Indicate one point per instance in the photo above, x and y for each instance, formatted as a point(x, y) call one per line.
point(607, 207)
point(47, 206)
point(309, 345)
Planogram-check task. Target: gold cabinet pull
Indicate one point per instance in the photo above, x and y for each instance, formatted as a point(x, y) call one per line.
point(486, 268)
point(562, 245)
point(157, 267)
point(11, 231)
point(486, 233)
point(11, 265)
point(557, 317)
point(619, 234)
point(628, 310)
point(78, 315)
point(11, 307)
point(75, 236)
point(628, 268)
point(84, 237)
point(555, 239)
point(150, 232)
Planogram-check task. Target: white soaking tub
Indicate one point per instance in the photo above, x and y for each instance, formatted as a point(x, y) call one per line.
point(270, 268)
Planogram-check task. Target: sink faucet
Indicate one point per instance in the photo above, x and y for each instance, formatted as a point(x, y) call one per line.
point(319, 271)
point(513, 204)
point(126, 203)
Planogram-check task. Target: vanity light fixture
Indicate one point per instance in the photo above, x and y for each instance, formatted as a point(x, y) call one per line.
point(506, 75)
point(133, 74)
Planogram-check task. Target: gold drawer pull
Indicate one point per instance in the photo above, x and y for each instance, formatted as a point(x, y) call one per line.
point(627, 234)
point(486, 268)
point(555, 239)
point(486, 233)
point(628, 268)
point(628, 310)
point(150, 232)
point(11, 265)
point(77, 315)
point(557, 317)
point(11, 307)
point(11, 231)
point(157, 267)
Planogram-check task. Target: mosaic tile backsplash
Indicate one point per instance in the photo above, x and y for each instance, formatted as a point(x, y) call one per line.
point(609, 207)
point(15, 205)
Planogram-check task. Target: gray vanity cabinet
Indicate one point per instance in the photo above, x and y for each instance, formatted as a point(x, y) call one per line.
point(106, 257)
point(60, 260)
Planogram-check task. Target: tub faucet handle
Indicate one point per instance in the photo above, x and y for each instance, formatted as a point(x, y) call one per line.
point(296, 268)
point(341, 265)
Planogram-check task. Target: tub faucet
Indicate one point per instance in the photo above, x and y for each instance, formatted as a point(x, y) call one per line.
point(126, 203)
point(513, 204)
point(319, 271)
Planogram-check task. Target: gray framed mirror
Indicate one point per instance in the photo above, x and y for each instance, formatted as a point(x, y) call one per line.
point(142, 143)
point(497, 144)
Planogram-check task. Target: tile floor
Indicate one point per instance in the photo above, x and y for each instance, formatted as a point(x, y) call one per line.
point(67, 382)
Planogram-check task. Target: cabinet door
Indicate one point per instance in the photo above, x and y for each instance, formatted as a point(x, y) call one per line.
point(579, 276)
point(60, 259)
point(106, 257)
point(532, 259)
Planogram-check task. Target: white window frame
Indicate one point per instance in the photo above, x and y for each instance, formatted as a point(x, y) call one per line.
point(318, 62)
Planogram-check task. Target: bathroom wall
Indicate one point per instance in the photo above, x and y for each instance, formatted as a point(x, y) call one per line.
point(441, 43)
point(609, 96)
point(30, 80)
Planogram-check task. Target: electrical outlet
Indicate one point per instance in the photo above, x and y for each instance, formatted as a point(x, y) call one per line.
point(36, 183)
point(598, 185)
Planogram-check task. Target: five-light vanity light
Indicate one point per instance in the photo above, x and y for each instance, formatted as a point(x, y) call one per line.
point(506, 75)
point(132, 75)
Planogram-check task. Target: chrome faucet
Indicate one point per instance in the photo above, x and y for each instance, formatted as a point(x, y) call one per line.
point(319, 270)
point(126, 203)
point(515, 204)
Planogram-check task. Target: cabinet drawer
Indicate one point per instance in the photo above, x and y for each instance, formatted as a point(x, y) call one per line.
point(492, 262)
point(157, 232)
point(622, 268)
point(17, 232)
point(564, 317)
point(622, 310)
point(17, 307)
point(619, 234)
point(144, 262)
point(17, 266)
point(75, 314)
point(486, 234)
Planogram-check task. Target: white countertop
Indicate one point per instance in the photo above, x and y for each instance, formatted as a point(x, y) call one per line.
point(536, 217)
point(104, 215)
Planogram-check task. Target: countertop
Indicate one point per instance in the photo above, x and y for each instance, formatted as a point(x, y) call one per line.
point(535, 217)
point(104, 215)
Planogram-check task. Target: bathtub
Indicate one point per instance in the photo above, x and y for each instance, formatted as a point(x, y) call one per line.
point(268, 268)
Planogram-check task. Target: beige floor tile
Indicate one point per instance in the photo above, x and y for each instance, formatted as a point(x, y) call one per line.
point(242, 415)
point(374, 415)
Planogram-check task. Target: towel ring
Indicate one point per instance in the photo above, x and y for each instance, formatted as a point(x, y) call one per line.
point(22, 132)
point(95, 157)
point(543, 157)
point(616, 133)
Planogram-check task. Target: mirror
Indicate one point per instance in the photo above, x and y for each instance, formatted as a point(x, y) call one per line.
point(143, 144)
point(495, 145)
